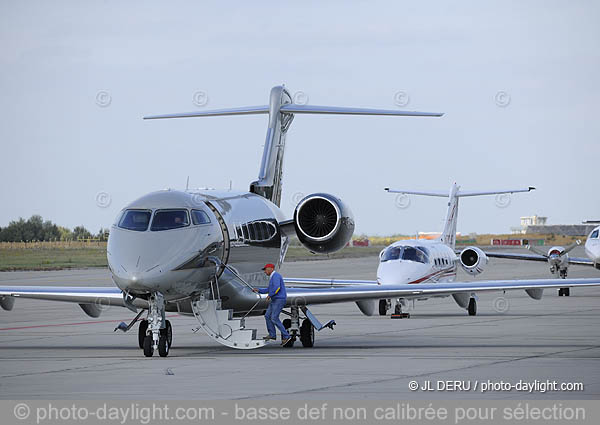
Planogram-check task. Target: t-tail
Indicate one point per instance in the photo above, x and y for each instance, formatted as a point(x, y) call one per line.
point(449, 233)
point(281, 110)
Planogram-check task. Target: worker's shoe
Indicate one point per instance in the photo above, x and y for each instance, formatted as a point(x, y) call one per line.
point(269, 337)
point(286, 340)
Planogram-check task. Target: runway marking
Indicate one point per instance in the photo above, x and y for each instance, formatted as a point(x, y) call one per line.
point(71, 324)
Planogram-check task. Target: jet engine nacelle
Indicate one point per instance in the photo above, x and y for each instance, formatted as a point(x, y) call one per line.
point(323, 223)
point(473, 260)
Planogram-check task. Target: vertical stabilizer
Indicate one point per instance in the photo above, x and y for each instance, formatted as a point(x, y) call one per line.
point(270, 175)
point(449, 233)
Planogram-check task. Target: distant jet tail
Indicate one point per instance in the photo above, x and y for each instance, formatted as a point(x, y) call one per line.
point(282, 110)
point(449, 233)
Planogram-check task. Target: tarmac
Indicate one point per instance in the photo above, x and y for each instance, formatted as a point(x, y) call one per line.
point(52, 350)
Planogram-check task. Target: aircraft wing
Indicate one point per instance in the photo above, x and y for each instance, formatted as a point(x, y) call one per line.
point(301, 296)
point(581, 261)
point(536, 257)
point(517, 256)
point(82, 295)
point(303, 282)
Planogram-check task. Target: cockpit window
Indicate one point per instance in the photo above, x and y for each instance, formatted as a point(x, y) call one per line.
point(408, 253)
point(594, 234)
point(135, 220)
point(169, 219)
point(200, 217)
point(414, 254)
point(392, 253)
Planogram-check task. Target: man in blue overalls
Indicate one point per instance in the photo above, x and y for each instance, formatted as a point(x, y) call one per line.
point(277, 296)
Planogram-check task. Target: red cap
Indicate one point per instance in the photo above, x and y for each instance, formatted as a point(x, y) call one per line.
point(268, 265)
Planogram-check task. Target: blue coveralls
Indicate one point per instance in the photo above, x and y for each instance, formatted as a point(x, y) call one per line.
point(276, 291)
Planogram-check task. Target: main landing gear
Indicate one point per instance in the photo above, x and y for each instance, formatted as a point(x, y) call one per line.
point(306, 331)
point(564, 292)
point(472, 308)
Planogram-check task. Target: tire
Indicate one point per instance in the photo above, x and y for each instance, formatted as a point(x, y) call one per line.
point(560, 292)
point(472, 307)
point(148, 348)
point(307, 334)
point(567, 292)
point(163, 346)
point(287, 323)
point(382, 307)
point(142, 332)
point(168, 331)
point(290, 344)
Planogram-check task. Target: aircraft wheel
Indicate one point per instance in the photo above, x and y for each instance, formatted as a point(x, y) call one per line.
point(142, 332)
point(307, 334)
point(567, 292)
point(168, 332)
point(287, 323)
point(148, 348)
point(290, 343)
point(382, 307)
point(472, 309)
point(561, 292)
point(163, 346)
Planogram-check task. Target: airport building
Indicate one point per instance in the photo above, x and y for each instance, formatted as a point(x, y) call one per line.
point(537, 224)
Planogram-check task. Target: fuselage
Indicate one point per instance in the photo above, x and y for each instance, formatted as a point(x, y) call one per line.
point(164, 242)
point(416, 261)
point(592, 246)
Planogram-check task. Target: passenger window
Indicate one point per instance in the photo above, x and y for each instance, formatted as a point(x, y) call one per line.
point(200, 217)
point(135, 220)
point(169, 219)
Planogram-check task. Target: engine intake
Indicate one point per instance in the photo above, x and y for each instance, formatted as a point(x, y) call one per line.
point(473, 260)
point(323, 223)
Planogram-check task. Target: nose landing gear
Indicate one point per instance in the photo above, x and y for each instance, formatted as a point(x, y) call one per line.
point(158, 331)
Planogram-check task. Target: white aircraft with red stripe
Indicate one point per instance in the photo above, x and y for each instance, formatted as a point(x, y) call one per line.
point(417, 261)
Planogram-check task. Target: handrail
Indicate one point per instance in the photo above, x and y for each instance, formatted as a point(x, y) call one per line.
point(218, 262)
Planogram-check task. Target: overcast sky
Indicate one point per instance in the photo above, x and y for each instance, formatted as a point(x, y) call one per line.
point(517, 81)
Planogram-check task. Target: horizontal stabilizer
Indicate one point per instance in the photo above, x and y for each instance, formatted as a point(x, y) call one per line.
point(415, 192)
point(244, 110)
point(340, 110)
point(495, 192)
point(292, 108)
point(459, 194)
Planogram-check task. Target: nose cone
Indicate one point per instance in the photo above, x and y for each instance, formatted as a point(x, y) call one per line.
point(592, 249)
point(400, 272)
point(141, 260)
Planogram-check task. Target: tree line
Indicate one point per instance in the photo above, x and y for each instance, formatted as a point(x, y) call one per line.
point(36, 229)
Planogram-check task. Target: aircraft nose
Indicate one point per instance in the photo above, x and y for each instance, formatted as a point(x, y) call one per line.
point(138, 260)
